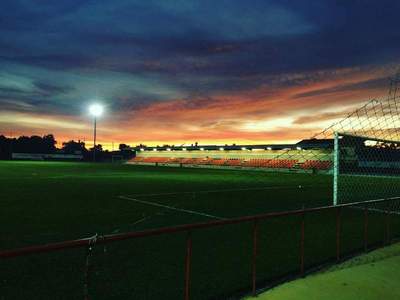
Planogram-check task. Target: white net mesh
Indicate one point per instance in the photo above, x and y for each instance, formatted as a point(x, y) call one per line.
point(368, 150)
point(367, 169)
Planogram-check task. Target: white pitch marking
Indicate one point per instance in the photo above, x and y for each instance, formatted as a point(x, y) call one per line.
point(228, 190)
point(378, 210)
point(396, 176)
point(140, 221)
point(137, 222)
point(171, 208)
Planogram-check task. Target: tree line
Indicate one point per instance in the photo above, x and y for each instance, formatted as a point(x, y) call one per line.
point(47, 144)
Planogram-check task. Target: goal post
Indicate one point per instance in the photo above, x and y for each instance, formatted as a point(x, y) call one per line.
point(335, 168)
point(365, 168)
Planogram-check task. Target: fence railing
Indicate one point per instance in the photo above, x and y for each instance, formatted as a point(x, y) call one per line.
point(382, 207)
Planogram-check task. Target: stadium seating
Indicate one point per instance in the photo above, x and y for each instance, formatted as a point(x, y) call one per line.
point(136, 159)
point(234, 162)
point(317, 165)
point(204, 161)
point(218, 162)
point(269, 163)
point(156, 159)
point(174, 160)
point(253, 162)
point(187, 161)
point(281, 163)
point(237, 162)
point(150, 160)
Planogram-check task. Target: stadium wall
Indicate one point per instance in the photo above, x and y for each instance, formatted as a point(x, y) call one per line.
point(41, 156)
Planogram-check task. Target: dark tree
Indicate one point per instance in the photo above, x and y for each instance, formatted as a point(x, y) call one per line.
point(99, 148)
point(5, 147)
point(49, 144)
point(73, 147)
point(123, 147)
point(35, 144)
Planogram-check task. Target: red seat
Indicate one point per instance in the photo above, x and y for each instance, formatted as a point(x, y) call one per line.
point(252, 162)
point(316, 164)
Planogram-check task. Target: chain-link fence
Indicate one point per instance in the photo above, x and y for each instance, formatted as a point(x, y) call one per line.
point(221, 259)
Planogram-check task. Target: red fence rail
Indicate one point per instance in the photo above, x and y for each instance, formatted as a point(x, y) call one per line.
point(89, 242)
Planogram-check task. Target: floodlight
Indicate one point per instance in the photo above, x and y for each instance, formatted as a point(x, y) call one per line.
point(155, 149)
point(96, 110)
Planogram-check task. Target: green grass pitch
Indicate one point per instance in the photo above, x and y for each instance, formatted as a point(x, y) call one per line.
point(50, 202)
point(46, 202)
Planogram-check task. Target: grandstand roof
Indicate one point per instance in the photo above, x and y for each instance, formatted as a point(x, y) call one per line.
point(304, 144)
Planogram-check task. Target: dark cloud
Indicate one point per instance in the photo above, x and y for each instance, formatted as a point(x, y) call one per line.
point(52, 89)
point(134, 53)
point(168, 40)
point(15, 105)
point(53, 61)
point(40, 97)
point(31, 15)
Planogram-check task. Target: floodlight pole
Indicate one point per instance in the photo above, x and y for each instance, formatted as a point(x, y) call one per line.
point(94, 138)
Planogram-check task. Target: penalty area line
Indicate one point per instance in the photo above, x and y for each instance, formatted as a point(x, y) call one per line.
point(171, 208)
point(382, 211)
point(273, 187)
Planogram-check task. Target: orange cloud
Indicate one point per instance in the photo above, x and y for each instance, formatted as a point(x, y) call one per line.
point(270, 113)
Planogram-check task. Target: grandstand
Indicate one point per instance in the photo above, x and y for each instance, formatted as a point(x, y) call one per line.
point(267, 157)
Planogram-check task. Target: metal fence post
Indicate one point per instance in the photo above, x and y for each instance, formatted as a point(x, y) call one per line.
point(86, 274)
point(92, 242)
point(254, 259)
point(302, 243)
point(188, 262)
point(338, 228)
point(387, 225)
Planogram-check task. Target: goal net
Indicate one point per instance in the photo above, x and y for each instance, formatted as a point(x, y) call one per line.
point(364, 150)
point(365, 169)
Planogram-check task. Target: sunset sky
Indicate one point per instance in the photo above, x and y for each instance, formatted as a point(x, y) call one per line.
point(177, 72)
